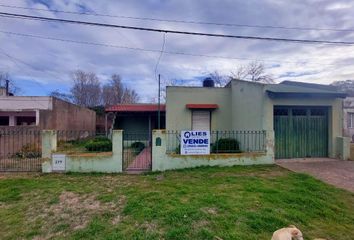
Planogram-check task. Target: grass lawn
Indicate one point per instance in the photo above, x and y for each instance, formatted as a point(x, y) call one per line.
point(205, 203)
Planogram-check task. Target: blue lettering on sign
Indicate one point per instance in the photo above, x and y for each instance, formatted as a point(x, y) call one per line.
point(195, 141)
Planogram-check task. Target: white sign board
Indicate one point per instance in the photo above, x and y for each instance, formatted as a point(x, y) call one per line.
point(58, 162)
point(195, 142)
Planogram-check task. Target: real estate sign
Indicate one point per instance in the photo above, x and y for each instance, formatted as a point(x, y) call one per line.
point(195, 142)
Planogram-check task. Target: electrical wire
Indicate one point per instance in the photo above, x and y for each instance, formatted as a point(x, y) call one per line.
point(97, 24)
point(160, 56)
point(154, 50)
point(180, 21)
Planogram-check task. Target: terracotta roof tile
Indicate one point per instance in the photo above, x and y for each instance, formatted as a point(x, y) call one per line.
point(135, 108)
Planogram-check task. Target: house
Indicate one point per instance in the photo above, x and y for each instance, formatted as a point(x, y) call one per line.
point(306, 119)
point(348, 118)
point(137, 118)
point(44, 113)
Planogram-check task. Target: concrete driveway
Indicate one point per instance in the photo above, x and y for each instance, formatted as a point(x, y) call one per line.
point(332, 171)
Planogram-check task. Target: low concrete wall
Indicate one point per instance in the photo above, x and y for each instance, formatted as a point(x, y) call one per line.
point(85, 162)
point(343, 148)
point(162, 161)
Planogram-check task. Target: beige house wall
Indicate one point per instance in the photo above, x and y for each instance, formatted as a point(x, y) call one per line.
point(248, 101)
point(178, 117)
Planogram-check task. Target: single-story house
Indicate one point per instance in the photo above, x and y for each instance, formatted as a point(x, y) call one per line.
point(44, 113)
point(348, 118)
point(305, 119)
point(139, 118)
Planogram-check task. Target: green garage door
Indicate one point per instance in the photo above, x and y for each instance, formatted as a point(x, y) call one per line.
point(301, 132)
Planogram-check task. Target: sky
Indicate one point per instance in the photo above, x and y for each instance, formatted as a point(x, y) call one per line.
point(39, 66)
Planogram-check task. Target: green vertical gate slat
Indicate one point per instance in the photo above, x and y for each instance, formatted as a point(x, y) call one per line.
point(301, 136)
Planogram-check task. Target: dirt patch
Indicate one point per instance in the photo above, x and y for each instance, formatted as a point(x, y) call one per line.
point(73, 211)
point(16, 175)
point(211, 211)
point(200, 224)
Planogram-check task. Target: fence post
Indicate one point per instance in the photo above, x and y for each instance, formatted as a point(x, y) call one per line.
point(49, 143)
point(117, 148)
point(342, 148)
point(269, 144)
point(158, 150)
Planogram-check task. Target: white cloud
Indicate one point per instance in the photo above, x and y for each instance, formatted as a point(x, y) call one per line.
point(53, 61)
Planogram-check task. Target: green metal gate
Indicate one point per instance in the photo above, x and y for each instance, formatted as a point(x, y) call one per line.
point(301, 132)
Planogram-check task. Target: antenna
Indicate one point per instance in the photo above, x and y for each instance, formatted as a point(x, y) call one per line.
point(158, 106)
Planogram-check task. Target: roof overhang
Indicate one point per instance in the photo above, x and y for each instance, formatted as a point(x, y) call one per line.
point(273, 94)
point(202, 106)
point(134, 108)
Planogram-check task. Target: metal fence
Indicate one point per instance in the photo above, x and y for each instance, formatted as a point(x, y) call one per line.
point(78, 141)
point(137, 151)
point(20, 149)
point(236, 141)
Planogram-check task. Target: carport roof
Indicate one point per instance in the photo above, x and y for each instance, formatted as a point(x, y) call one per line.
point(143, 107)
point(297, 89)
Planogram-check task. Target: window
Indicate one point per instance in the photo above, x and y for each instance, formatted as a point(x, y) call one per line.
point(4, 121)
point(201, 120)
point(350, 120)
point(24, 121)
point(299, 112)
point(318, 112)
point(281, 112)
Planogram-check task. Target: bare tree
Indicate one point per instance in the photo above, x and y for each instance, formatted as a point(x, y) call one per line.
point(346, 86)
point(130, 96)
point(86, 90)
point(219, 80)
point(254, 71)
point(114, 92)
point(12, 86)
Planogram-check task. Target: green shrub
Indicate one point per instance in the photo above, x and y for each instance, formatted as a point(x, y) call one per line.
point(226, 145)
point(99, 144)
point(138, 146)
point(178, 149)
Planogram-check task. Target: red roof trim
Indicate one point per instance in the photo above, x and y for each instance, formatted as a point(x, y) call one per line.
point(202, 106)
point(136, 108)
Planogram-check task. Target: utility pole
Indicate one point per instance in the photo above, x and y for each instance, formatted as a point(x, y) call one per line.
point(158, 106)
point(7, 86)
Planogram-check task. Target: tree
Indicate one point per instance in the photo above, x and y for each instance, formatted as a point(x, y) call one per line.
point(130, 96)
point(346, 86)
point(86, 90)
point(254, 71)
point(114, 92)
point(219, 80)
point(12, 86)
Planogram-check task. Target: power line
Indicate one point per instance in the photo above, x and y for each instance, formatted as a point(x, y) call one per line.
point(180, 21)
point(152, 50)
point(31, 17)
point(161, 52)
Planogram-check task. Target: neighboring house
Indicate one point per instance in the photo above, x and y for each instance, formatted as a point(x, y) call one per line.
point(348, 118)
point(45, 113)
point(137, 118)
point(306, 118)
